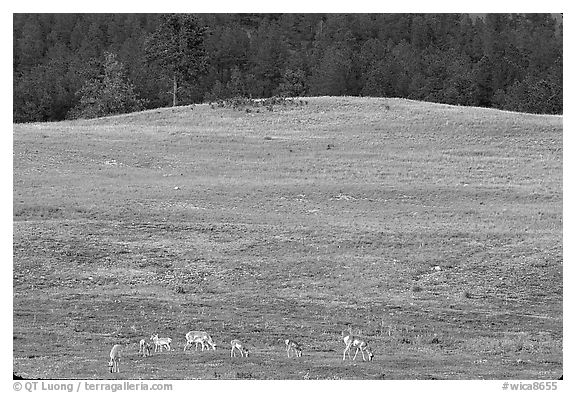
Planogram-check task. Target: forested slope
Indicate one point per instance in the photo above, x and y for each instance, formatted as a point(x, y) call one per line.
point(507, 61)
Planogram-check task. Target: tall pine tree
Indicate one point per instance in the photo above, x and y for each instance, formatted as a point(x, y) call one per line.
point(178, 47)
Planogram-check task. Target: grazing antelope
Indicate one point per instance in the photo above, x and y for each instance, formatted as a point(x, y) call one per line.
point(114, 363)
point(145, 348)
point(293, 345)
point(195, 337)
point(160, 343)
point(236, 344)
point(360, 345)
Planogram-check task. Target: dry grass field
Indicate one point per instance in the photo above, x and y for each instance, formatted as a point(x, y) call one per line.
point(434, 231)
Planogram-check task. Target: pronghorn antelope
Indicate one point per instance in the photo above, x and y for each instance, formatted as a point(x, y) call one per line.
point(293, 345)
point(195, 337)
point(114, 363)
point(145, 348)
point(359, 344)
point(160, 343)
point(236, 344)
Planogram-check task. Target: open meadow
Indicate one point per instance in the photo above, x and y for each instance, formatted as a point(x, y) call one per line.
point(432, 231)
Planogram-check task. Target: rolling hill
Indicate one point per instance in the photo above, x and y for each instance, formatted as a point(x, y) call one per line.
point(433, 231)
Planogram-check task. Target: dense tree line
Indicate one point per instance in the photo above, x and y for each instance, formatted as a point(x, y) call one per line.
point(85, 65)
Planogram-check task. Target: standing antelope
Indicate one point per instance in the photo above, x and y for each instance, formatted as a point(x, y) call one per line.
point(160, 343)
point(196, 337)
point(359, 344)
point(293, 345)
point(145, 348)
point(114, 363)
point(236, 344)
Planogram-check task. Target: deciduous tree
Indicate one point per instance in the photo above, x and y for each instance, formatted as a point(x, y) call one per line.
point(108, 93)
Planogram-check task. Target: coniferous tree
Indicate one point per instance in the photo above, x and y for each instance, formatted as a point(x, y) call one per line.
point(177, 46)
point(268, 58)
point(31, 44)
point(331, 75)
point(93, 41)
point(235, 85)
point(293, 83)
point(30, 96)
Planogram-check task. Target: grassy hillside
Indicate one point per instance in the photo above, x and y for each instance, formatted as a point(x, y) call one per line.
point(434, 231)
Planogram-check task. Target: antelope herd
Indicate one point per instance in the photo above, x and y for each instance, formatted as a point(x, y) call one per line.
point(202, 338)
